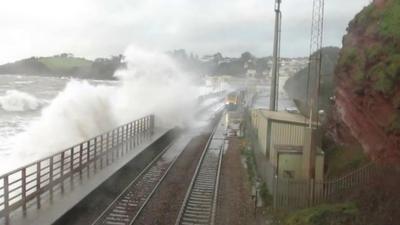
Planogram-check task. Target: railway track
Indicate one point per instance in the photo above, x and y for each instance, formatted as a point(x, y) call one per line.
point(127, 206)
point(199, 206)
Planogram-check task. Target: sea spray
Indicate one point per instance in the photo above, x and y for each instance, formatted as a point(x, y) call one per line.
point(152, 83)
point(17, 101)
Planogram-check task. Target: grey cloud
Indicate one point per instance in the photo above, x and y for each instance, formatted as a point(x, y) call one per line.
point(101, 27)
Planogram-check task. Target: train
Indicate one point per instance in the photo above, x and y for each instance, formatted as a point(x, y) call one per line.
point(233, 100)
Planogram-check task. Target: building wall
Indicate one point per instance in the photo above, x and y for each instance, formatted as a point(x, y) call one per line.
point(284, 134)
point(260, 124)
point(291, 166)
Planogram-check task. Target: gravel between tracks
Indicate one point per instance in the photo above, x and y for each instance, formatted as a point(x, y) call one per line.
point(164, 206)
point(235, 206)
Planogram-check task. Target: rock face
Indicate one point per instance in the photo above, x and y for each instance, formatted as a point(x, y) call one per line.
point(367, 82)
point(296, 85)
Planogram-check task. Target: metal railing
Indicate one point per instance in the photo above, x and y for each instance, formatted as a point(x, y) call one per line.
point(296, 193)
point(31, 184)
point(301, 193)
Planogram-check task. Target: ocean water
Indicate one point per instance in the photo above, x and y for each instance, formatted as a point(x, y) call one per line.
point(40, 116)
point(21, 100)
point(262, 99)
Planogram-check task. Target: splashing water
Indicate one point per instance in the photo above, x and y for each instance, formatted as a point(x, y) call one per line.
point(152, 83)
point(17, 101)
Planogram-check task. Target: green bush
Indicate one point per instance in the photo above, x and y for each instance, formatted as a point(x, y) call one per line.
point(395, 124)
point(337, 214)
point(390, 23)
point(386, 74)
point(265, 195)
point(384, 84)
point(250, 162)
point(362, 19)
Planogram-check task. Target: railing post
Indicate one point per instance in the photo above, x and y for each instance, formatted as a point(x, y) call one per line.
point(131, 129)
point(135, 133)
point(118, 135)
point(312, 192)
point(147, 127)
point(125, 138)
point(118, 141)
point(101, 151)
point(71, 171)
point(275, 191)
point(6, 200)
point(141, 131)
point(38, 184)
point(112, 138)
point(88, 158)
point(107, 149)
point(80, 160)
point(152, 124)
point(51, 178)
point(95, 154)
point(23, 191)
point(127, 147)
point(113, 145)
point(62, 171)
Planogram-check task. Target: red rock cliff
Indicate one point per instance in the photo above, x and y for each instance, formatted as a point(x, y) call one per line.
point(367, 81)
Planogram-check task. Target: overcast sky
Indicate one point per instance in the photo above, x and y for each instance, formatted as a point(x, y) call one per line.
point(100, 28)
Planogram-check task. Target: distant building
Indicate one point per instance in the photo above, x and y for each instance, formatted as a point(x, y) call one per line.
point(251, 73)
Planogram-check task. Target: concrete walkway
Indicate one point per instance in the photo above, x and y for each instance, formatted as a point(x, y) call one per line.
point(50, 211)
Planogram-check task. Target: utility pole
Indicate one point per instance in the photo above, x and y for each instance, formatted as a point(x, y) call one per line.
point(273, 102)
point(313, 87)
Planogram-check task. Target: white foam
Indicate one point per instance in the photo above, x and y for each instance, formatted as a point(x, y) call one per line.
point(152, 83)
point(17, 101)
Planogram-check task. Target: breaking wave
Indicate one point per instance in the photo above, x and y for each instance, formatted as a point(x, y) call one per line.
point(17, 101)
point(152, 83)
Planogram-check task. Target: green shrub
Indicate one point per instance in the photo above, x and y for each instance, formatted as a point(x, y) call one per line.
point(390, 23)
point(265, 195)
point(384, 84)
point(337, 214)
point(395, 124)
point(362, 19)
point(348, 57)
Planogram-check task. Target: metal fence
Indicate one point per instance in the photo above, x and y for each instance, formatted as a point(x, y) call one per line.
point(301, 193)
point(39, 180)
point(290, 194)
